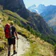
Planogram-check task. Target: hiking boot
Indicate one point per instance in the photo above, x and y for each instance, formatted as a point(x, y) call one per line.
point(9, 53)
point(14, 52)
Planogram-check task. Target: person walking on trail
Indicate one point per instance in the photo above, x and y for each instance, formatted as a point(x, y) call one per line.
point(11, 37)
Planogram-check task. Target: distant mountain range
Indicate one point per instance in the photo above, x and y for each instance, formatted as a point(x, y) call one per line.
point(47, 12)
point(33, 8)
point(36, 9)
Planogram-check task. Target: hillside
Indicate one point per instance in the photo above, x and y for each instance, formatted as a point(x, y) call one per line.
point(39, 46)
point(52, 22)
point(36, 45)
point(24, 23)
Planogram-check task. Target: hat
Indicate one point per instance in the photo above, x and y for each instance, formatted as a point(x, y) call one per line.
point(11, 22)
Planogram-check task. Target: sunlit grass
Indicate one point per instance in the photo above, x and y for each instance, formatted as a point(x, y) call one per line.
point(40, 49)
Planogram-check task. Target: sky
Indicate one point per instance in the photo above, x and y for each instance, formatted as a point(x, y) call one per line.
point(28, 3)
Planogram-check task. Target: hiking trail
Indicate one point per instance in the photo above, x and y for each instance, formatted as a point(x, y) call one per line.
point(22, 46)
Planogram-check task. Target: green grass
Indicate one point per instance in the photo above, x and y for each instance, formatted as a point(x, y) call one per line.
point(14, 14)
point(40, 48)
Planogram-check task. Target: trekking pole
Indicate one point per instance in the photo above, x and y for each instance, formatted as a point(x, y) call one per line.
point(17, 43)
point(17, 46)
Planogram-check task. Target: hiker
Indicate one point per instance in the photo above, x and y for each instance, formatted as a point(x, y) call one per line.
point(11, 37)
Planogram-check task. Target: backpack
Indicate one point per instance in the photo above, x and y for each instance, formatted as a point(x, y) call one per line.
point(7, 31)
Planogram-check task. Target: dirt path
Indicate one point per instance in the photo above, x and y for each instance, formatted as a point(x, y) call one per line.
point(21, 46)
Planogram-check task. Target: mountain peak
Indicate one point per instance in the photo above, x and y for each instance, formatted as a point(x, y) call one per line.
point(33, 6)
point(36, 9)
point(41, 6)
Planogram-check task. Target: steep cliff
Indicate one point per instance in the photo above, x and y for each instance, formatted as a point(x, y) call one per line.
point(13, 5)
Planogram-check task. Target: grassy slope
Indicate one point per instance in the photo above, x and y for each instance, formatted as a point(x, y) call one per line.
point(38, 47)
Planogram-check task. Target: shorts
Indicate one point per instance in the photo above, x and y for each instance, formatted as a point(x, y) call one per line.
point(11, 41)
